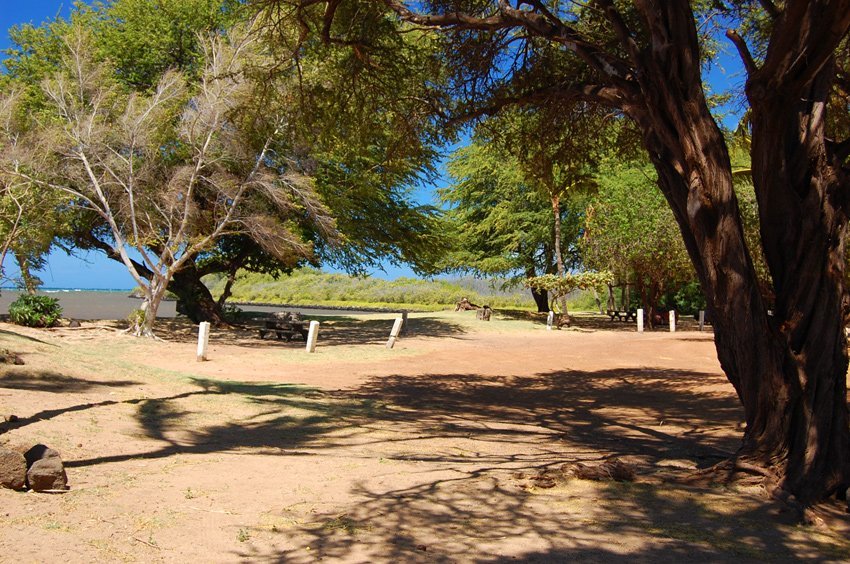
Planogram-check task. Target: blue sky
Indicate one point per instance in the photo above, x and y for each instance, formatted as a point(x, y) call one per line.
point(94, 271)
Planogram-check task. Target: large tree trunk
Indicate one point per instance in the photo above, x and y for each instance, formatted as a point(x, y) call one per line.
point(789, 371)
point(802, 191)
point(194, 297)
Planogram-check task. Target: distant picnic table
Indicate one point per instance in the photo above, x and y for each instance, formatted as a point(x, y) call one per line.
point(285, 325)
point(622, 315)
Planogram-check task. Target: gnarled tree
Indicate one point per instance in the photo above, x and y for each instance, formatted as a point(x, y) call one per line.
point(170, 172)
point(644, 59)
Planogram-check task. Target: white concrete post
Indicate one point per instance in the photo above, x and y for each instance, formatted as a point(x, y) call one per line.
point(403, 323)
point(640, 320)
point(203, 340)
point(312, 336)
point(672, 321)
point(550, 320)
point(395, 332)
point(701, 319)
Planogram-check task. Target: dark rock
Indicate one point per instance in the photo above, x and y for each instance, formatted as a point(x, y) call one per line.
point(74, 324)
point(45, 470)
point(9, 357)
point(11, 418)
point(13, 469)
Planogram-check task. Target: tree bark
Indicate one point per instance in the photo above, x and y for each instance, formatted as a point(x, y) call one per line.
point(541, 300)
point(789, 371)
point(30, 281)
point(802, 191)
point(194, 297)
point(559, 259)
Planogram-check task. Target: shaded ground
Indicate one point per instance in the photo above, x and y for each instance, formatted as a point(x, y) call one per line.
point(428, 452)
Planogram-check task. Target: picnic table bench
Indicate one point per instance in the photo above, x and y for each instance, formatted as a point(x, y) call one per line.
point(622, 315)
point(285, 326)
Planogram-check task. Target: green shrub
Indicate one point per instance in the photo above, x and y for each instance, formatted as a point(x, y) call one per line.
point(35, 311)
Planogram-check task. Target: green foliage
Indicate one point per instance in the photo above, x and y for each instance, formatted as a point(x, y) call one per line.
point(688, 300)
point(562, 285)
point(145, 38)
point(630, 231)
point(501, 223)
point(137, 317)
point(309, 286)
point(35, 311)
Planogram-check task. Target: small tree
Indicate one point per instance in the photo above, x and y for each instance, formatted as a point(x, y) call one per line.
point(559, 161)
point(501, 220)
point(630, 231)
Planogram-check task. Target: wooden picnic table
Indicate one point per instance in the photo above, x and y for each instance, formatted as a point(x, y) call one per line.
point(622, 315)
point(284, 329)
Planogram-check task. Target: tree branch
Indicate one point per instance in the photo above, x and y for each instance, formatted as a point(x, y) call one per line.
point(770, 8)
point(744, 51)
point(624, 34)
point(606, 95)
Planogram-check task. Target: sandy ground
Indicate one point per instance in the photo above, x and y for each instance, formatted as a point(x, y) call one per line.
point(430, 452)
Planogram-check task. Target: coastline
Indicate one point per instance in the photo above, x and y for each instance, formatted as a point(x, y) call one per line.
point(117, 304)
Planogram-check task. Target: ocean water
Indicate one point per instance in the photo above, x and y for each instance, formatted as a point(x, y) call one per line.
point(117, 304)
point(90, 304)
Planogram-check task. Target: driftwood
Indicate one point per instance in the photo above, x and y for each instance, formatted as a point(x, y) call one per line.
point(465, 305)
point(614, 469)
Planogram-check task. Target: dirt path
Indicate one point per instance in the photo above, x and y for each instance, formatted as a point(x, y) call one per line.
point(431, 452)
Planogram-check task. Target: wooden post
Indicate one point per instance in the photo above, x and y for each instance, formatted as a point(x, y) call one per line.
point(395, 332)
point(403, 323)
point(640, 320)
point(672, 321)
point(701, 319)
point(550, 320)
point(203, 340)
point(312, 336)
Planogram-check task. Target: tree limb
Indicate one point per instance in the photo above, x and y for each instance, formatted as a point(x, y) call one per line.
point(744, 51)
point(772, 10)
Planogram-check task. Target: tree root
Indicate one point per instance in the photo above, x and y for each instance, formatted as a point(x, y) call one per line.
point(734, 470)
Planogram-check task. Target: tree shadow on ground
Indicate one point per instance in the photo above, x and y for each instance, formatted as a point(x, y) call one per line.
point(21, 336)
point(288, 417)
point(377, 331)
point(469, 518)
point(474, 443)
point(340, 331)
point(655, 412)
point(652, 413)
point(490, 435)
point(52, 413)
point(54, 382)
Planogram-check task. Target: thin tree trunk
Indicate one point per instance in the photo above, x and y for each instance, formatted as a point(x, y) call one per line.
point(30, 283)
point(598, 301)
point(153, 297)
point(559, 259)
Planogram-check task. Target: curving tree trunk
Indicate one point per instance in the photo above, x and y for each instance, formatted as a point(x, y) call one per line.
point(789, 370)
point(194, 298)
point(802, 189)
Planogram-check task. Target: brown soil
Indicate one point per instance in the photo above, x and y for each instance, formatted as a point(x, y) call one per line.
point(440, 450)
